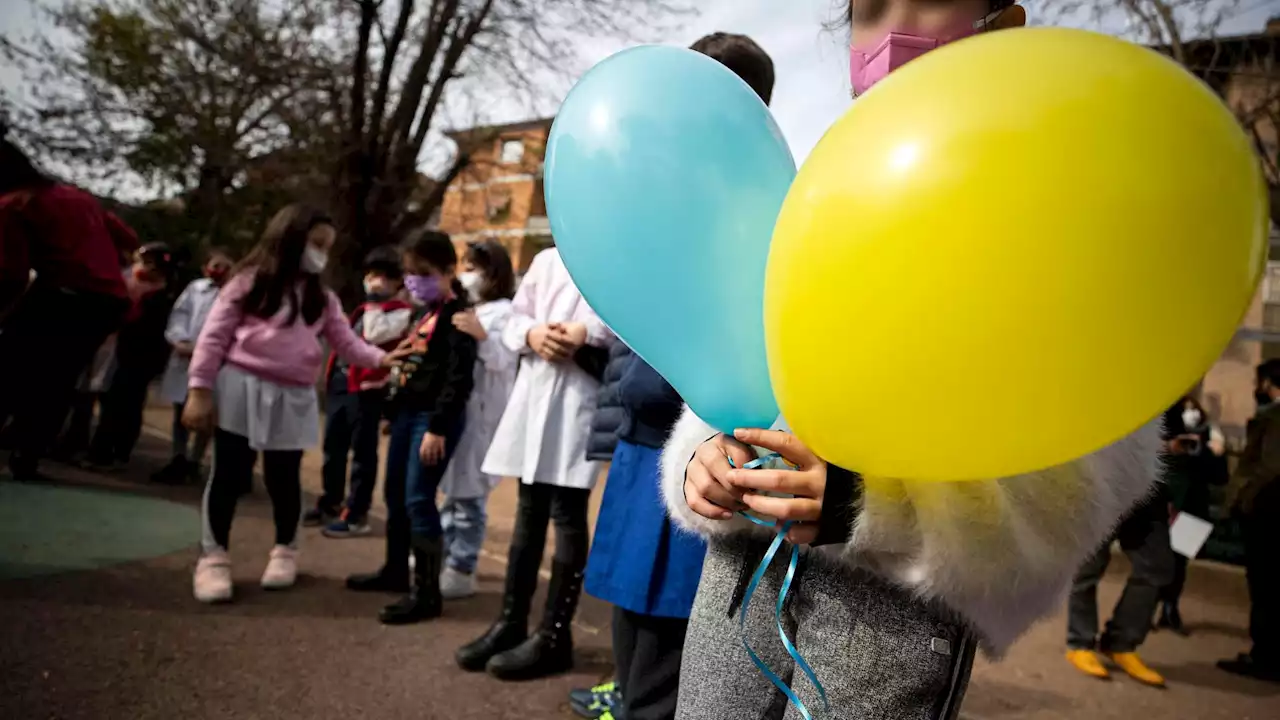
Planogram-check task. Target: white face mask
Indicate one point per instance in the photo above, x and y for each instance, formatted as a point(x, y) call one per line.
point(1191, 418)
point(314, 259)
point(471, 281)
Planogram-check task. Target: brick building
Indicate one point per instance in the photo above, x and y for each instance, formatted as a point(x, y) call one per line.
point(499, 194)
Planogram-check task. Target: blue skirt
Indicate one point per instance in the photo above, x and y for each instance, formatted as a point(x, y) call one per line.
point(639, 560)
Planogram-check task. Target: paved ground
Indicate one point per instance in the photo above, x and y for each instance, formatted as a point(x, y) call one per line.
point(126, 641)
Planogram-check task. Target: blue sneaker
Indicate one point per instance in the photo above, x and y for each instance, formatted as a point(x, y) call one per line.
point(598, 702)
point(345, 528)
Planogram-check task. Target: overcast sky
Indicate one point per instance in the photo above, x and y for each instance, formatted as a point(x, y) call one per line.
point(812, 65)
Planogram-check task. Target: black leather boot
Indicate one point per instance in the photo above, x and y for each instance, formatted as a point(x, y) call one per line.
point(550, 650)
point(512, 626)
point(423, 602)
point(393, 576)
point(385, 580)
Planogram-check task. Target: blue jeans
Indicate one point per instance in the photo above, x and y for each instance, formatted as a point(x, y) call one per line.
point(410, 485)
point(463, 522)
point(351, 426)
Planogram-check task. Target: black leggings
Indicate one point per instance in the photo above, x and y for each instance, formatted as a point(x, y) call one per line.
point(540, 503)
point(233, 461)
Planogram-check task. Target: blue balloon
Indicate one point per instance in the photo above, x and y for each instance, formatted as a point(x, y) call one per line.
point(665, 173)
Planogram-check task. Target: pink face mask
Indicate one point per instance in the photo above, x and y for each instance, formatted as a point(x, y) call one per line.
point(870, 63)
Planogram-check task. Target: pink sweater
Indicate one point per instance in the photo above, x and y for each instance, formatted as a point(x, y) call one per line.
point(272, 349)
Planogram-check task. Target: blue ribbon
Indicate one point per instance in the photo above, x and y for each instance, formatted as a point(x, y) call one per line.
point(756, 577)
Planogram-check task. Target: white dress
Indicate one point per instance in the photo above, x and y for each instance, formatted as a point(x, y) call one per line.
point(185, 320)
point(542, 437)
point(495, 375)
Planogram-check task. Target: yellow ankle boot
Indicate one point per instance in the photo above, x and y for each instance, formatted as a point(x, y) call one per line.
point(1136, 669)
point(1087, 662)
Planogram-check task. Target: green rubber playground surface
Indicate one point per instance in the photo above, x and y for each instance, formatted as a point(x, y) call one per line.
point(46, 529)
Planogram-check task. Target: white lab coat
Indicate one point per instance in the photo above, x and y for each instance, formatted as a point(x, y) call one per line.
point(185, 320)
point(495, 376)
point(542, 437)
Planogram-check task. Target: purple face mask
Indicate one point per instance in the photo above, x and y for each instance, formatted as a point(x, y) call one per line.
point(424, 288)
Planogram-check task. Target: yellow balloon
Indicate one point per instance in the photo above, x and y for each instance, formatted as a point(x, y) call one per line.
point(1008, 254)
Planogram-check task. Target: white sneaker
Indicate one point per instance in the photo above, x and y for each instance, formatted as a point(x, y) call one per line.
point(282, 569)
point(212, 581)
point(455, 585)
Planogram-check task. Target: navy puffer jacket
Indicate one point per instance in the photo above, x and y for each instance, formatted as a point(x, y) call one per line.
point(609, 414)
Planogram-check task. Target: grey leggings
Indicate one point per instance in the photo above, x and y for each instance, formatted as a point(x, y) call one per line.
point(878, 651)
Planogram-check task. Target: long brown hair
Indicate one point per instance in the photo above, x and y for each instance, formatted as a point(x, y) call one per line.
point(276, 262)
point(494, 263)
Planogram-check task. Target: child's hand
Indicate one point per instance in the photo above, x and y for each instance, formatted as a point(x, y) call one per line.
point(807, 483)
point(432, 450)
point(395, 357)
point(184, 349)
point(468, 323)
point(572, 334)
point(197, 413)
point(544, 341)
point(706, 487)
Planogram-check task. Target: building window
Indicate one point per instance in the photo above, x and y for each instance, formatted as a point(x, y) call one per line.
point(512, 152)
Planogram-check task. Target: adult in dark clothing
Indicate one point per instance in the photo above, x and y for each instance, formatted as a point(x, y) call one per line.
point(51, 325)
point(639, 560)
point(1192, 463)
point(609, 412)
point(1258, 506)
point(1144, 538)
point(141, 355)
point(428, 408)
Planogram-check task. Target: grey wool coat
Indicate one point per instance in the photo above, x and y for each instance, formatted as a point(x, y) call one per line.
point(890, 618)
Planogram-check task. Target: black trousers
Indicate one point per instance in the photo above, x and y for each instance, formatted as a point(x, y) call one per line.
point(647, 651)
point(540, 504)
point(1171, 593)
point(45, 343)
point(1262, 569)
point(233, 462)
point(120, 417)
point(567, 507)
point(351, 427)
point(1144, 538)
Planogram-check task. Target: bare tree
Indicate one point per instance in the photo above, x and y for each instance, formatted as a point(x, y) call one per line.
point(407, 53)
point(186, 93)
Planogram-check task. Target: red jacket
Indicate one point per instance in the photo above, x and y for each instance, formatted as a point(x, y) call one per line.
point(390, 321)
point(65, 235)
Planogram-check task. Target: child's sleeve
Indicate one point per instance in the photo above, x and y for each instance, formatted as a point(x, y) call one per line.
point(178, 329)
point(493, 351)
point(218, 333)
point(643, 388)
point(451, 401)
point(598, 334)
point(1002, 553)
point(515, 335)
point(344, 341)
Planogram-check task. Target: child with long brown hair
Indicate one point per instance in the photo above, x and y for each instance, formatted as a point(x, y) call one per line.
point(258, 355)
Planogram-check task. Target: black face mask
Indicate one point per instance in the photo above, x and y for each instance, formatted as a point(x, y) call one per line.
point(1262, 398)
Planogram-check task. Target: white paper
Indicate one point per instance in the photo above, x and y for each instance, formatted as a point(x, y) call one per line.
point(1188, 534)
